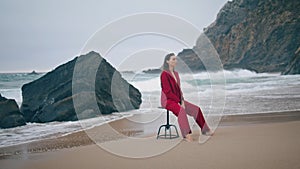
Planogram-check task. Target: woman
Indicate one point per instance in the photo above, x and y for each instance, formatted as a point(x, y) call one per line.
point(172, 99)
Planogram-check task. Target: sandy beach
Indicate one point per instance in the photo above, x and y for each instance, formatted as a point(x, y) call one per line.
point(268, 140)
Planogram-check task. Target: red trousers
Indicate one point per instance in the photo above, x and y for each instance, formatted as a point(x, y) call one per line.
point(181, 114)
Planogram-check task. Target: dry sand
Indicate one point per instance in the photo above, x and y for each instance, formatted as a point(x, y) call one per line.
point(242, 142)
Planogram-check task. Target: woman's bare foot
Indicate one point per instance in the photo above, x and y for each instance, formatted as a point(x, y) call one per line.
point(188, 138)
point(208, 133)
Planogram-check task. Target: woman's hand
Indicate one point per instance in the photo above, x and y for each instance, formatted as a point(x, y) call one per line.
point(182, 105)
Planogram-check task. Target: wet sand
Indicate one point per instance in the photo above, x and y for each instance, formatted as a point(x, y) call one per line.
point(269, 140)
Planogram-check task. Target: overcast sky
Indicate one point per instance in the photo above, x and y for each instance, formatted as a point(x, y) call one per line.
point(42, 34)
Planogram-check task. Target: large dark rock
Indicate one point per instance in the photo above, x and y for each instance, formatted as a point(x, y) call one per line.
point(153, 71)
point(190, 58)
point(259, 35)
point(10, 115)
point(78, 89)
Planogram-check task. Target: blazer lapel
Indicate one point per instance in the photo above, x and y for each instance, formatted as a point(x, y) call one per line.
point(172, 77)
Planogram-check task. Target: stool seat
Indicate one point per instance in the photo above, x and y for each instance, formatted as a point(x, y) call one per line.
point(167, 127)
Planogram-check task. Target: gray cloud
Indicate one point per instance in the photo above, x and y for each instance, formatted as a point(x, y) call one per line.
point(40, 35)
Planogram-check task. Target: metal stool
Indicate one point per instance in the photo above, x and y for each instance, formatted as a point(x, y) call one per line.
point(167, 127)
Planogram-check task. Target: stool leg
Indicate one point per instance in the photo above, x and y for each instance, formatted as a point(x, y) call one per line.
point(176, 131)
point(158, 132)
point(165, 131)
point(168, 126)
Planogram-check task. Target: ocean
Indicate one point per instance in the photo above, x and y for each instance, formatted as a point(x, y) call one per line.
point(246, 92)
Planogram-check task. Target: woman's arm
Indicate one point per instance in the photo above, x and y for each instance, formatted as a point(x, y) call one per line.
point(165, 85)
point(182, 98)
point(179, 83)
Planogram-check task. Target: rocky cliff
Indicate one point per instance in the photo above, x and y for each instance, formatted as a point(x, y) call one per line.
point(259, 35)
point(54, 97)
point(294, 65)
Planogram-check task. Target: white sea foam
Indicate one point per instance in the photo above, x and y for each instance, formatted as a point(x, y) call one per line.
point(150, 85)
point(38, 131)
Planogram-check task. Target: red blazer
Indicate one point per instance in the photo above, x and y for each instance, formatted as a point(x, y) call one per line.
point(170, 89)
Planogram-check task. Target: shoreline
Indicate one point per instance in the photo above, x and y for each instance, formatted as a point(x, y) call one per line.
point(129, 129)
point(269, 117)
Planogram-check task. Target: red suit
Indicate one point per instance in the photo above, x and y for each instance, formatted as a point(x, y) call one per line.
point(171, 97)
